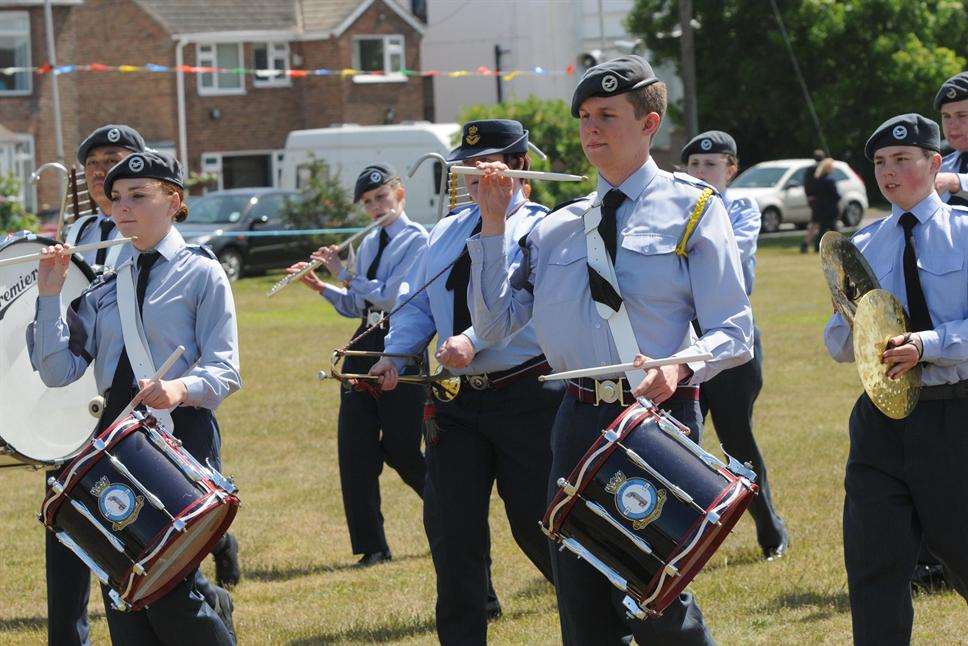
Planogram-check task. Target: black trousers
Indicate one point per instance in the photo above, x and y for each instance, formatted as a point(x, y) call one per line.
point(729, 397)
point(905, 482)
point(589, 607)
point(485, 436)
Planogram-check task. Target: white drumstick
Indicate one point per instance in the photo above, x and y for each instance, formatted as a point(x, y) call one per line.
point(521, 174)
point(162, 371)
point(33, 257)
point(622, 367)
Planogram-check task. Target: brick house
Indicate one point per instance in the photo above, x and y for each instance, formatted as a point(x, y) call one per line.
point(226, 123)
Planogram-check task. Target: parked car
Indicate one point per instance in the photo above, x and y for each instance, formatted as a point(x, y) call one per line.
point(777, 187)
point(214, 217)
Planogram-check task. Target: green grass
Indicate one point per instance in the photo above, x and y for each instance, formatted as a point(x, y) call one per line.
point(279, 438)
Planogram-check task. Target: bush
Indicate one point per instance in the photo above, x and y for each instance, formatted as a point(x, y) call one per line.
point(13, 216)
point(324, 203)
point(552, 129)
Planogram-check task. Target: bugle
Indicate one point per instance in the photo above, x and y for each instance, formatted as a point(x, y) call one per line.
point(442, 384)
point(76, 194)
point(315, 264)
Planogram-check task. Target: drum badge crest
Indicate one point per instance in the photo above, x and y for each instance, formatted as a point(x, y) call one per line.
point(636, 499)
point(117, 503)
point(472, 137)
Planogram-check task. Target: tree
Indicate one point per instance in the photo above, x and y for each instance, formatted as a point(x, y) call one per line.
point(863, 61)
point(324, 203)
point(552, 129)
point(13, 216)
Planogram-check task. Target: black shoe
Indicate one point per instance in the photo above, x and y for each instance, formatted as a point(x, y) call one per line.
point(804, 248)
point(775, 552)
point(493, 609)
point(227, 571)
point(223, 608)
point(373, 558)
point(929, 578)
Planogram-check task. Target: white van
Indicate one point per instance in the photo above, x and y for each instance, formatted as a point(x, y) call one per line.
point(348, 149)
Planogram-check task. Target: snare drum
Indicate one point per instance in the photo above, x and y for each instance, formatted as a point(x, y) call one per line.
point(647, 507)
point(40, 426)
point(138, 510)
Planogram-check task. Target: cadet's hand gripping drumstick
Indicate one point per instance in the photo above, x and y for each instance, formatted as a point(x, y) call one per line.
point(33, 257)
point(162, 371)
point(622, 367)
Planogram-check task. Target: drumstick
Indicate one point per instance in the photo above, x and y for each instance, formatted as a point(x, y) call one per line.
point(622, 367)
point(78, 249)
point(521, 174)
point(162, 371)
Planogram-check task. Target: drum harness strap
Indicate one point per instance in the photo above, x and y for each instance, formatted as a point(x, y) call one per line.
point(134, 337)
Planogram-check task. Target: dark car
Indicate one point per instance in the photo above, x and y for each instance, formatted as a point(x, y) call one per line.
point(221, 220)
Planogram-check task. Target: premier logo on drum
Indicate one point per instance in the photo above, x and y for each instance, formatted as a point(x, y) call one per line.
point(15, 291)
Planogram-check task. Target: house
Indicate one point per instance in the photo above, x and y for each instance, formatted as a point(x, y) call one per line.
point(230, 124)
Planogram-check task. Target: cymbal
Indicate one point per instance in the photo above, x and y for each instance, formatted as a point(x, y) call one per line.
point(879, 317)
point(849, 275)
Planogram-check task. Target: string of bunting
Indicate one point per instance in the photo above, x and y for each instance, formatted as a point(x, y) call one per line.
point(507, 75)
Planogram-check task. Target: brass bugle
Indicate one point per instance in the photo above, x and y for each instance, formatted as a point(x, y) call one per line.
point(315, 264)
point(521, 174)
point(443, 385)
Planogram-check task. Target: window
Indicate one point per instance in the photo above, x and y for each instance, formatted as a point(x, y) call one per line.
point(17, 159)
point(218, 209)
point(242, 171)
point(226, 56)
point(380, 58)
point(838, 175)
point(271, 56)
point(15, 52)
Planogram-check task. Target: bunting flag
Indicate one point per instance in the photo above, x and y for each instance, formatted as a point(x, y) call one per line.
point(507, 75)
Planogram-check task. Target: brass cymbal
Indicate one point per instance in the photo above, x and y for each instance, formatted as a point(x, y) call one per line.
point(879, 316)
point(849, 276)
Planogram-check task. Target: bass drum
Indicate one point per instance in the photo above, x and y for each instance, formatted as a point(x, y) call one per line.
point(40, 426)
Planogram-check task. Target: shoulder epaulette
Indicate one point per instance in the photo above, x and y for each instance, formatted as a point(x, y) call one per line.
point(562, 205)
point(741, 203)
point(686, 178)
point(203, 249)
point(538, 207)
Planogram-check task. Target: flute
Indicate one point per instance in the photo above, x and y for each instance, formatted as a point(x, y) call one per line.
point(521, 174)
point(314, 264)
point(622, 367)
point(78, 249)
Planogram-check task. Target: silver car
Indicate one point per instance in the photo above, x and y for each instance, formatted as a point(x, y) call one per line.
point(777, 187)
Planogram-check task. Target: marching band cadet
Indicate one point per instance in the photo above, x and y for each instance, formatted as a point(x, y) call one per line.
point(730, 395)
point(900, 472)
point(97, 154)
point(952, 102)
point(497, 427)
point(185, 299)
point(374, 427)
point(644, 213)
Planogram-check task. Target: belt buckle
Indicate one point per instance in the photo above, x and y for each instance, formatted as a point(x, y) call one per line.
point(373, 317)
point(609, 391)
point(479, 382)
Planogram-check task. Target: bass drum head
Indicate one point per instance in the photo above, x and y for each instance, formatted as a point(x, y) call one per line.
point(41, 424)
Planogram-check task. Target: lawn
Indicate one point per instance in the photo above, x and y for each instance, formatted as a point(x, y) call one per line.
point(279, 441)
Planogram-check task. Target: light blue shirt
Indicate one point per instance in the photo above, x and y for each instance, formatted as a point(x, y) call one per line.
point(407, 242)
point(744, 216)
point(941, 244)
point(950, 164)
point(188, 302)
point(92, 233)
point(662, 291)
point(432, 311)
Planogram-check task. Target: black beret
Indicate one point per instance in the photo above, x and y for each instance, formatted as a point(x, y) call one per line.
point(711, 141)
point(490, 137)
point(954, 89)
point(111, 135)
point(148, 164)
point(905, 130)
point(373, 176)
point(617, 76)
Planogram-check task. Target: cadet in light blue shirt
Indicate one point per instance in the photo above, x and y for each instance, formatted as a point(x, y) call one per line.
point(185, 299)
point(620, 105)
point(952, 102)
point(497, 428)
point(900, 472)
point(374, 428)
point(712, 157)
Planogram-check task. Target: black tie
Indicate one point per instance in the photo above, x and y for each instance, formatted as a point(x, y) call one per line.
point(955, 200)
point(106, 227)
point(917, 306)
point(384, 239)
point(457, 282)
point(601, 290)
point(121, 384)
